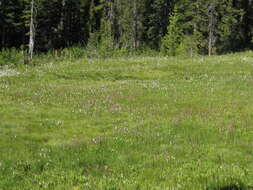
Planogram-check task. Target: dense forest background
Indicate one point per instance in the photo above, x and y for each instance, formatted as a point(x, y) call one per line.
point(172, 26)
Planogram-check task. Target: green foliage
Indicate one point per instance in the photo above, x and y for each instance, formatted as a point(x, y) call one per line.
point(157, 22)
point(217, 26)
point(75, 52)
point(228, 26)
point(11, 57)
point(100, 43)
point(173, 38)
point(187, 47)
point(133, 24)
point(93, 44)
point(105, 46)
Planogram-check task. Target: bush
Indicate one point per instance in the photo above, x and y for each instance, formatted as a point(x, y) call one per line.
point(75, 52)
point(93, 44)
point(11, 57)
point(188, 47)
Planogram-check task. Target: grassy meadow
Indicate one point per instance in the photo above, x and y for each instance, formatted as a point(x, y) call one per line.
point(138, 123)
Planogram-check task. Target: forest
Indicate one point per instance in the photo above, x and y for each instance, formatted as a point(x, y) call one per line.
point(204, 27)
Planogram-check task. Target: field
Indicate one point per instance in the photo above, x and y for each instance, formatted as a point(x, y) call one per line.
point(140, 123)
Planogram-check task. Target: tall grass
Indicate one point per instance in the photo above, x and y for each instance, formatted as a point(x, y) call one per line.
point(11, 57)
point(157, 123)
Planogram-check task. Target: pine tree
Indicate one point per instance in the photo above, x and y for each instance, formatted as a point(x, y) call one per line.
point(212, 24)
point(11, 25)
point(209, 26)
point(187, 10)
point(132, 23)
point(157, 17)
point(173, 37)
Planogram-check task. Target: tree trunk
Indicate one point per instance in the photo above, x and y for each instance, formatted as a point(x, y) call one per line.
point(211, 26)
point(3, 37)
point(135, 25)
point(210, 42)
point(63, 3)
point(32, 32)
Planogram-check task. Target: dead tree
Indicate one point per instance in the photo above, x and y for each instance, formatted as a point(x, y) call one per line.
point(31, 33)
point(211, 28)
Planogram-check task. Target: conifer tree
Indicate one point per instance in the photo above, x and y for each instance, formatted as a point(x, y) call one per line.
point(215, 26)
point(157, 17)
point(173, 37)
point(212, 24)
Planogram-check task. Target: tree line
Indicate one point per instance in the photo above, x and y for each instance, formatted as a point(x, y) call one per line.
point(170, 26)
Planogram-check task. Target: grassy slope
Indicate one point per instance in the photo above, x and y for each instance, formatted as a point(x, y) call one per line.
point(138, 123)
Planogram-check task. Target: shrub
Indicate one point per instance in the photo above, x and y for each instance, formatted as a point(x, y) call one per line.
point(75, 52)
point(188, 46)
point(11, 57)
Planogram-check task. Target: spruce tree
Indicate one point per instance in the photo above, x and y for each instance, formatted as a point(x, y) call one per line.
point(173, 37)
point(215, 26)
point(157, 17)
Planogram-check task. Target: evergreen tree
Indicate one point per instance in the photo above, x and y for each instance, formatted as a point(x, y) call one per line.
point(207, 26)
point(11, 23)
point(157, 20)
point(173, 37)
point(212, 24)
point(130, 23)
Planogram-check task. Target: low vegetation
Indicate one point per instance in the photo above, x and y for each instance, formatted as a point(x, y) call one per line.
point(127, 123)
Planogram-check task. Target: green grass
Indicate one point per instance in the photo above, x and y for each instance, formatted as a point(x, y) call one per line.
point(128, 124)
